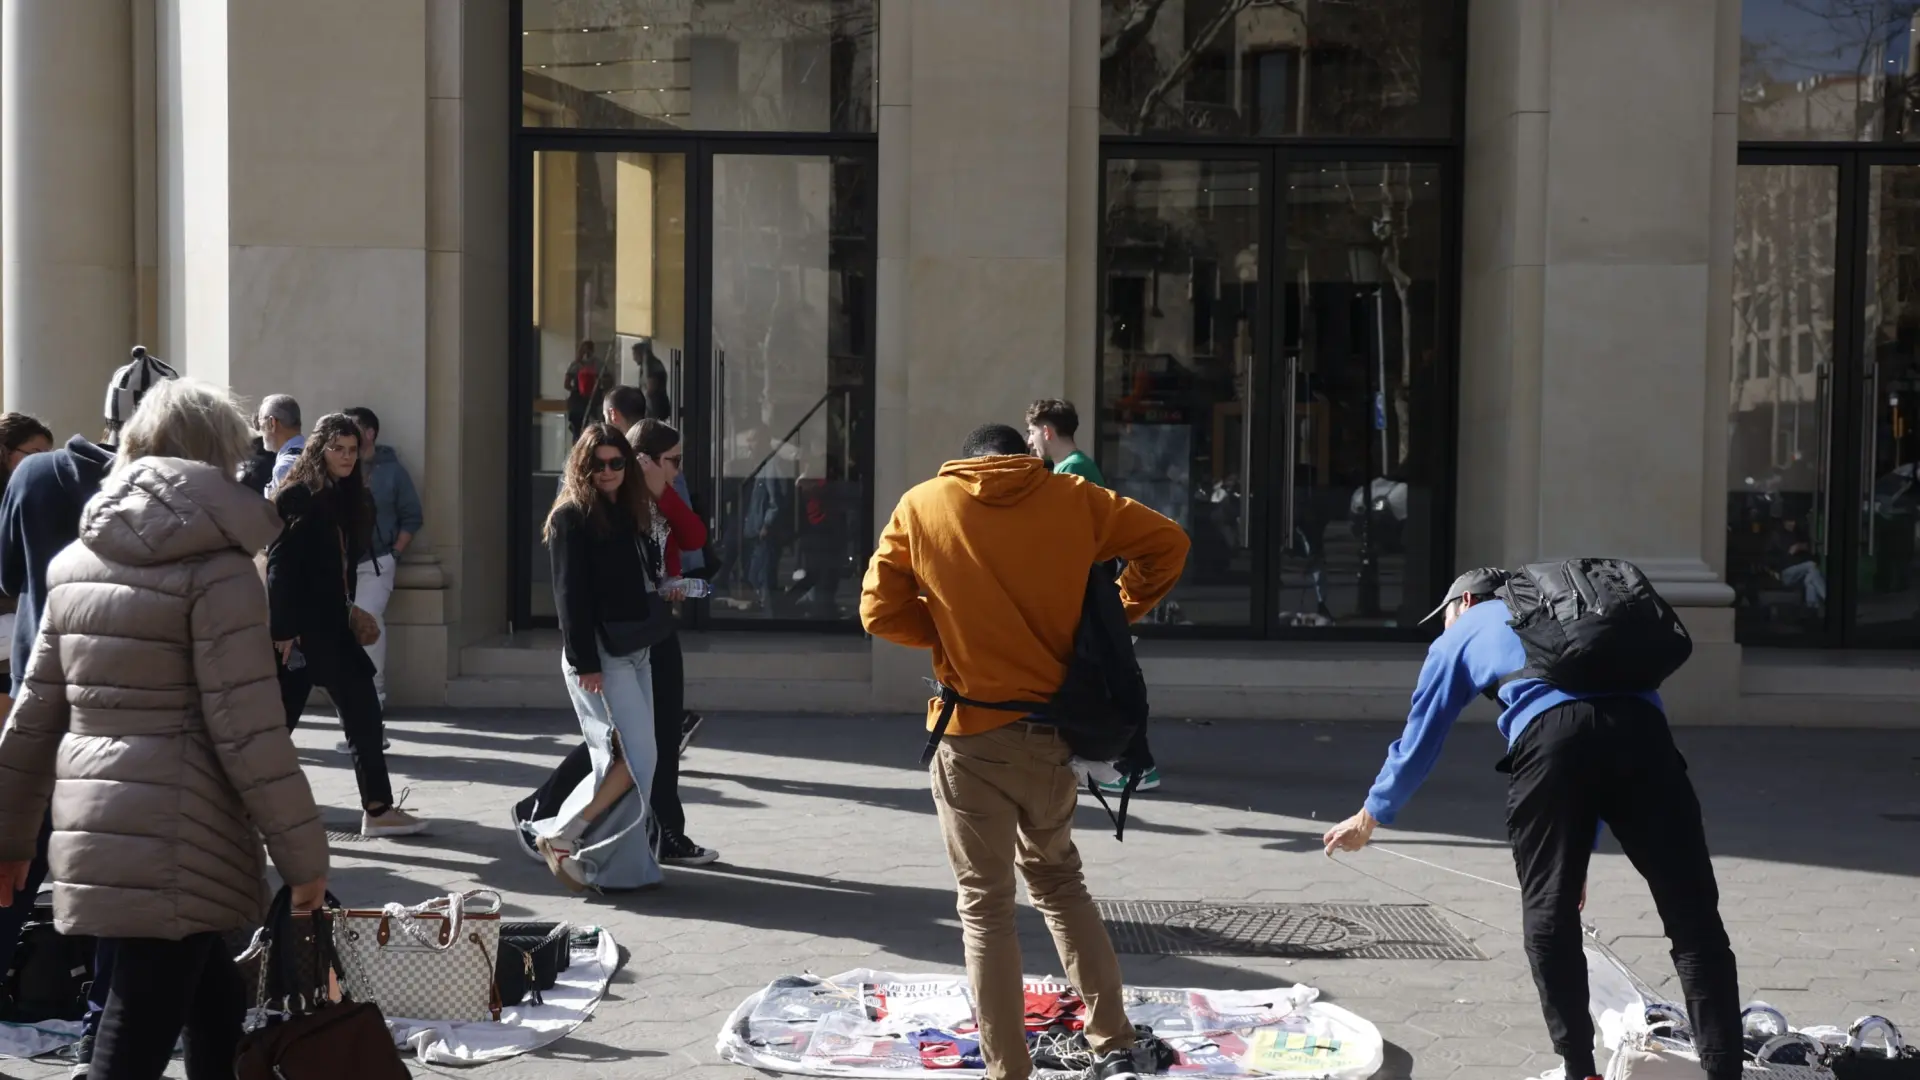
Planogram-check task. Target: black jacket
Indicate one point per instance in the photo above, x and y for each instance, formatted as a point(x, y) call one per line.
point(598, 578)
point(39, 516)
point(310, 583)
point(257, 471)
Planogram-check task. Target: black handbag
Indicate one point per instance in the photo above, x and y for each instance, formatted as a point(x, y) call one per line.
point(50, 974)
point(532, 956)
point(1892, 1060)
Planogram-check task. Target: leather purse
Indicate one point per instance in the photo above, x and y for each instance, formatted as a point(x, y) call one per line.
point(532, 956)
point(313, 1037)
point(629, 637)
point(432, 961)
point(366, 628)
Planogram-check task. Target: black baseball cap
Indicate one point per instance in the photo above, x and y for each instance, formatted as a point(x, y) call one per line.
point(1482, 582)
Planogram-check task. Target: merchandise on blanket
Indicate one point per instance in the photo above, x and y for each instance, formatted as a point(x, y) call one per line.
point(532, 955)
point(49, 974)
point(432, 961)
point(873, 1024)
point(310, 1037)
point(1893, 1059)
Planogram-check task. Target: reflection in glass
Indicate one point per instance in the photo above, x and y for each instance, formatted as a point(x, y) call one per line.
point(1780, 410)
point(792, 268)
point(705, 65)
point(1829, 70)
point(609, 303)
point(1302, 67)
point(1888, 574)
point(1182, 263)
point(1361, 390)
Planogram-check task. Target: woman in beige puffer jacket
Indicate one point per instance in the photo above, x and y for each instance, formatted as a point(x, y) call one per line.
point(151, 715)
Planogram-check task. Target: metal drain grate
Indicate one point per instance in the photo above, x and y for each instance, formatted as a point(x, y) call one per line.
point(343, 836)
point(1349, 931)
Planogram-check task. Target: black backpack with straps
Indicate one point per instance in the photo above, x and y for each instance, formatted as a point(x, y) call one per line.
point(1101, 705)
point(1595, 626)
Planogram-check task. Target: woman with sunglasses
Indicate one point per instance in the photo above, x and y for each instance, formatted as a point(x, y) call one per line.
point(606, 541)
point(310, 582)
point(658, 453)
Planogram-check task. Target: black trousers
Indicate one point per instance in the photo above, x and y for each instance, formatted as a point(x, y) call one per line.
point(669, 705)
point(1613, 760)
point(359, 706)
point(161, 988)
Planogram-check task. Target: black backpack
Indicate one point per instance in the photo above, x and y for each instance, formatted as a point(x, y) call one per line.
point(50, 975)
point(1595, 626)
point(1101, 705)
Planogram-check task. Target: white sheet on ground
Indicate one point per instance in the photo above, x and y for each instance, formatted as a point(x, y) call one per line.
point(33, 1040)
point(877, 1024)
point(523, 1028)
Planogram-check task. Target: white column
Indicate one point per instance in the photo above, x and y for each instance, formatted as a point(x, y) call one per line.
point(1598, 184)
point(66, 204)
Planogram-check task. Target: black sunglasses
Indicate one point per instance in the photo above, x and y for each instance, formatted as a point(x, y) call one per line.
point(618, 464)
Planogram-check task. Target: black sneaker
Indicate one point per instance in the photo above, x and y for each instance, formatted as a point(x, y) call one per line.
point(78, 1055)
point(689, 725)
point(1116, 1065)
point(523, 836)
point(677, 850)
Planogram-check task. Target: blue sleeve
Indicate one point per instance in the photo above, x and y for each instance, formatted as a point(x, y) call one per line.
point(411, 517)
point(1449, 680)
point(13, 543)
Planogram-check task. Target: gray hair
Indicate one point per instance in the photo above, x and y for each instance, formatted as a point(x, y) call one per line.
point(283, 408)
point(187, 419)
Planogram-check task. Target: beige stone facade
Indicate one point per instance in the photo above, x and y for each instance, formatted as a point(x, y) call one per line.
point(321, 199)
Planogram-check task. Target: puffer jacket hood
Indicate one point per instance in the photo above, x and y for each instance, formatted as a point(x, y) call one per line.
point(998, 481)
point(150, 717)
point(163, 510)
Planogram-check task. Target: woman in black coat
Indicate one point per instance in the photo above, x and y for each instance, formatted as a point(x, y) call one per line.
point(310, 581)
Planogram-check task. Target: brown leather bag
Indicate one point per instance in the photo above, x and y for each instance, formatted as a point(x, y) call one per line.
point(318, 1040)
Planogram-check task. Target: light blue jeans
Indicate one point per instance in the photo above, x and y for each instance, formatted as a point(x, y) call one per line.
point(621, 849)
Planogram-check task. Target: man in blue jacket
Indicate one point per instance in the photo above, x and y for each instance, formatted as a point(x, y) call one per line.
point(1574, 762)
point(397, 519)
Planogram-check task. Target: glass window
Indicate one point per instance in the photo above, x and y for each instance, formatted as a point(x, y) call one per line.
point(1781, 399)
point(708, 65)
point(1829, 70)
point(1887, 603)
point(1311, 67)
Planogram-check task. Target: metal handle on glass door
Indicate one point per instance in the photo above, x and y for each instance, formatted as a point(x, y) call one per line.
point(1823, 387)
point(1289, 431)
point(676, 387)
point(1246, 462)
point(722, 446)
point(1868, 438)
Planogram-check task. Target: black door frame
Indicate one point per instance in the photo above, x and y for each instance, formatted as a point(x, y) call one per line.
point(1272, 158)
point(699, 149)
point(1846, 491)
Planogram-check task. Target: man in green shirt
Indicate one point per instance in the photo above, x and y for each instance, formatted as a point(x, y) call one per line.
point(1051, 427)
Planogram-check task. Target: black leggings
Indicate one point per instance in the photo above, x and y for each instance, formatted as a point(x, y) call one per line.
point(358, 704)
point(161, 988)
point(1613, 760)
point(669, 706)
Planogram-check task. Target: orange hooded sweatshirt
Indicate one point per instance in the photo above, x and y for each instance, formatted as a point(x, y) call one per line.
point(986, 565)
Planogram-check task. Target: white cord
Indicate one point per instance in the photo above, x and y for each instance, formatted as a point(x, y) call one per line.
point(1447, 869)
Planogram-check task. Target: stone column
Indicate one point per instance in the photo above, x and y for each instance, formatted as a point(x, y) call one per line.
point(1592, 375)
point(66, 205)
point(974, 235)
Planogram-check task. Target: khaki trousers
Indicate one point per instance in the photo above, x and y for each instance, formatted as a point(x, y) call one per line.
point(1006, 799)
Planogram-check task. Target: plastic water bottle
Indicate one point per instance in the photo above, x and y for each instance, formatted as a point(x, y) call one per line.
point(690, 588)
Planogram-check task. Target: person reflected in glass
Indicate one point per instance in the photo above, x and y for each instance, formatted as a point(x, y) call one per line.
point(311, 582)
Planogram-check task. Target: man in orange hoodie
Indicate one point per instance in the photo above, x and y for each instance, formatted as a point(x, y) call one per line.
point(986, 565)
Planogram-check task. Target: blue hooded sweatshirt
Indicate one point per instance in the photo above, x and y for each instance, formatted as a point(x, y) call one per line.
point(1477, 651)
point(39, 517)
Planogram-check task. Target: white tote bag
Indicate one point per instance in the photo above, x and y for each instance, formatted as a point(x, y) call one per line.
point(433, 961)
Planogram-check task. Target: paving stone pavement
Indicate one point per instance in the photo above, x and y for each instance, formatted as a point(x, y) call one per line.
point(833, 861)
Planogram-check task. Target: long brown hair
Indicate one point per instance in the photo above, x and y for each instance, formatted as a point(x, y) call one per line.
point(576, 484)
point(352, 499)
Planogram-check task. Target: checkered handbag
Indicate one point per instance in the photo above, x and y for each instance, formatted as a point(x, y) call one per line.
point(432, 961)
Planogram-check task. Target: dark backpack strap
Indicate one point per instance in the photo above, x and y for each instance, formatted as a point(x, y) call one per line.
point(950, 699)
point(1126, 796)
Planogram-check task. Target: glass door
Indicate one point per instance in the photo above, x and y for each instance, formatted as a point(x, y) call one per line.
point(608, 308)
point(1886, 604)
point(1364, 397)
point(789, 357)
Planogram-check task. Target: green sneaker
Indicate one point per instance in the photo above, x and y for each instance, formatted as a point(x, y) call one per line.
point(1148, 782)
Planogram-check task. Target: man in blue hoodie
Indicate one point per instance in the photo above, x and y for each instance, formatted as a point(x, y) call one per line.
point(397, 519)
point(1574, 762)
point(39, 517)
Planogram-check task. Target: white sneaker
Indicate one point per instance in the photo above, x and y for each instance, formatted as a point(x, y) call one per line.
point(393, 822)
point(558, 855)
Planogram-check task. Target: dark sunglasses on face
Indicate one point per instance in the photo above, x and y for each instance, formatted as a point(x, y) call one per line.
point(618, 464)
